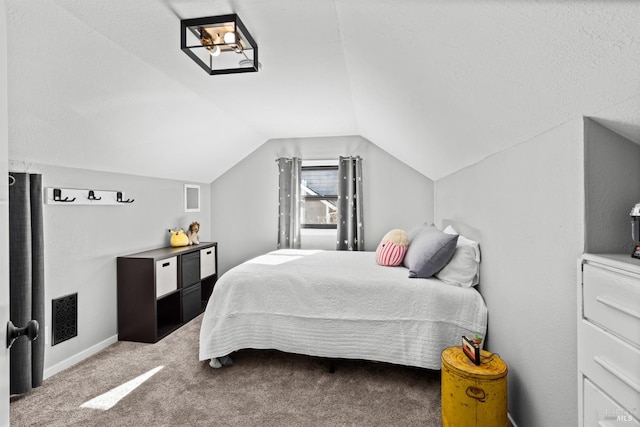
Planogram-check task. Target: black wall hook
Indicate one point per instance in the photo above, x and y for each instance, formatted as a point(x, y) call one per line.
point(57, 196)
point(92, 196)
point(119, 198)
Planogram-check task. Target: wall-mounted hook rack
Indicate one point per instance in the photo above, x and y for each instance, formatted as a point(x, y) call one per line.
point(121, 200)
point(76, 196)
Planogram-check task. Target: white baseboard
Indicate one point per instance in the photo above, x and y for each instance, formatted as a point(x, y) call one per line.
point(77, 358)
point(511, 420)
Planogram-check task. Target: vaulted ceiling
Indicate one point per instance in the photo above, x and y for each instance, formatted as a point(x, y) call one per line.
point(438, 84)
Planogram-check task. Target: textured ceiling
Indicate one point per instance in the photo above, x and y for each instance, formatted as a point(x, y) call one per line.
point(439, 84)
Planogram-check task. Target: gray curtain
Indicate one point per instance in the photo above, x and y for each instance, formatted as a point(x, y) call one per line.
point(26, 277)
point(289, 206)
point(350, 221)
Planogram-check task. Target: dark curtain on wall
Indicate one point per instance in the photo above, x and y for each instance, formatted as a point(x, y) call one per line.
point(289, 203)
point(350, 221)
point(26, 272)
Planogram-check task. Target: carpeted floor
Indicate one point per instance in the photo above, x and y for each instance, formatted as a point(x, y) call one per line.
point(263, 388)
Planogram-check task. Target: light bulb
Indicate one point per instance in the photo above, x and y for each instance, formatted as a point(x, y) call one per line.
point(215, 51)
point(230, 37)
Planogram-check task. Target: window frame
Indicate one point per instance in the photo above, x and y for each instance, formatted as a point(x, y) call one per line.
point(330, 198)
point(191, 198)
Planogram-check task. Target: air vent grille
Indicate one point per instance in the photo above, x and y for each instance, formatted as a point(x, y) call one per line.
point(64, 314)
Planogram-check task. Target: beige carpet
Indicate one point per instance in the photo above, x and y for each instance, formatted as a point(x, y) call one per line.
point(263, 388)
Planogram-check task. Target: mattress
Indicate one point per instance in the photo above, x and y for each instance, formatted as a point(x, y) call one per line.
point(337, 304)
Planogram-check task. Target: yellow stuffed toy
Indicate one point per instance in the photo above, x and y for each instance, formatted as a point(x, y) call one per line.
point(178, 238)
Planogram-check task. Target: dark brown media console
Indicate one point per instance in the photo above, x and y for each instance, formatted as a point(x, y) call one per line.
point(162, 289)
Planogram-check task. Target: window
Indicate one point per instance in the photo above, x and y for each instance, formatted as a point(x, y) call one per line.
point(319, 195)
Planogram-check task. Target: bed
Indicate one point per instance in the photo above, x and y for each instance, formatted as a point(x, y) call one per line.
point(337, 304)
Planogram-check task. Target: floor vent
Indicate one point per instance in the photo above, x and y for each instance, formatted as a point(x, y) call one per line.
point(64, 314)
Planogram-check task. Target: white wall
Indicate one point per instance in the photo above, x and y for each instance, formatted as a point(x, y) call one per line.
point(244, 211)
point(525, 206)
point(83, 242)
point(612, 188)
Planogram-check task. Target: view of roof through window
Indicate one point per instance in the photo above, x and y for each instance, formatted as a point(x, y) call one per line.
point(319, 196)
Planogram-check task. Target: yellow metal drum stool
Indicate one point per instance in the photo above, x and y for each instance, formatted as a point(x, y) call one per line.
point(473, 395)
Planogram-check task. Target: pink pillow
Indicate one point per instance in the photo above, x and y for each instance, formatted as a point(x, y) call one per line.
point(390, 254)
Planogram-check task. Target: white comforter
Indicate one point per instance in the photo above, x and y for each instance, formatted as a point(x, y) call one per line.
point(337, 304)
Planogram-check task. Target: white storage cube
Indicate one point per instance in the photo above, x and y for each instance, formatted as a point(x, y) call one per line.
point(166, 276)
point(207, 262)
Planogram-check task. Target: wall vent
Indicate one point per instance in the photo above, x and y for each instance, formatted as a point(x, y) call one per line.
point(64, 315)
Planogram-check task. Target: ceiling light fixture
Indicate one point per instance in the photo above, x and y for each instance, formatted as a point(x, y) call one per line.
point(219, 44)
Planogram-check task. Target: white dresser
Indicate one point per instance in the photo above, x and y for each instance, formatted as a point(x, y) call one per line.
point(608, 340)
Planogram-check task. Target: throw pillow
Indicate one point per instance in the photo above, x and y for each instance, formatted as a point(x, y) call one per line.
point(392, 248)
point(429, 251)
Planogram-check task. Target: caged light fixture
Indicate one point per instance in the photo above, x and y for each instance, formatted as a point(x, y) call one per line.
point(219, 44)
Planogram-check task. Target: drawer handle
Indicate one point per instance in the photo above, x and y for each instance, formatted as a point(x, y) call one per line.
point(617, 373)
point(617, 306)
point(208, 252)
point(476, 393)
point(166, 264)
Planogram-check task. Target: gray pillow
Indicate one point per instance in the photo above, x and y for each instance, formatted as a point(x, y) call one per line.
point(429, 251)
point(415, 230)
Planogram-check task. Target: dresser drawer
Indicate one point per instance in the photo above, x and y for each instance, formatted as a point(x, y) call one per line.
point(612, 364)
point(612, 299)
point(599, 409)
point(207, 262)
point(190, 269)
point(191, 303)
point(166, 276)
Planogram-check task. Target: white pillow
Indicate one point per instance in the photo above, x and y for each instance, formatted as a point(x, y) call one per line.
point(464, 267)
point(463, 241)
